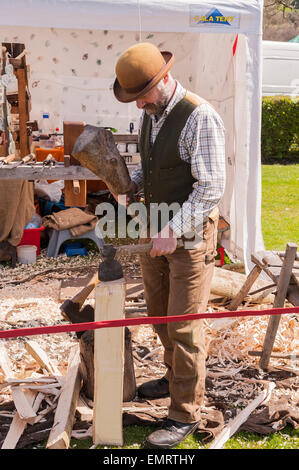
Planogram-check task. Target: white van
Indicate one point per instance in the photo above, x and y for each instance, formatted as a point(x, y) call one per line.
point(280, 68)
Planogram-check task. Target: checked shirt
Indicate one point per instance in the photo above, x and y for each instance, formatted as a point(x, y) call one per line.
point(202, 144)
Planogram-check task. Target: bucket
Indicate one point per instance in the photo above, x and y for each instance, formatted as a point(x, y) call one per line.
point(26, 254)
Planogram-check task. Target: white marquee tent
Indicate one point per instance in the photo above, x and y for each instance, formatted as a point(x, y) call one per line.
point(73, 46)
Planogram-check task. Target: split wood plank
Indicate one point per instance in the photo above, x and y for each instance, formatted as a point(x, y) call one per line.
point(5, 362)
point(85, 413)
point(42, 359)
point(18, 425)
point(252, 277)
point(109, 364)
point(241, 417)
point(22, 405)
point(60, 434)
point(12, 381)
point(282, 288)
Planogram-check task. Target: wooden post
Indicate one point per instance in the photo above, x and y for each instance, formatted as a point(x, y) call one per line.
point(74, 191)
point(109, 364)
point(253, 275)
point(4, 107)
point(282, 287)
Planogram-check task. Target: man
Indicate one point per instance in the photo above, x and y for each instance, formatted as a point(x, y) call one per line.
point(181, 144)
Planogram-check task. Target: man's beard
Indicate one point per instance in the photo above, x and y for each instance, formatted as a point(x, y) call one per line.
point(156, 109)
point(159, 107)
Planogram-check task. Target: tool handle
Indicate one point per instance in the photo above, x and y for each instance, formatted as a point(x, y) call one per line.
point(28, 158)
point(143, 247)
point(84, 293)
point(8, 159)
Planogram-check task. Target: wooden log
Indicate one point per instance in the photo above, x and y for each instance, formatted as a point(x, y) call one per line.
point(228, 284)
point(282, 288)
point(109, 365)
point(253, 275)
point(60, 434)
point(241, 417)
point(87, 366)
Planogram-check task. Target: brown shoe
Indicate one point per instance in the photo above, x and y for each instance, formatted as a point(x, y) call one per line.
point(158, 388)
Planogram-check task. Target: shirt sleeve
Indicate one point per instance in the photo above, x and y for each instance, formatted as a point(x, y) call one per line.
point(202, 144)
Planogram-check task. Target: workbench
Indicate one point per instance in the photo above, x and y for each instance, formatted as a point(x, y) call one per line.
point(37, 171)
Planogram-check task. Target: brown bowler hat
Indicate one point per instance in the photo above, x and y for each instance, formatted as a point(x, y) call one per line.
point(139, 69)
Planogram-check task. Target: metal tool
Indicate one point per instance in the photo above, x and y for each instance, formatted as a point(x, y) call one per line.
point(49, 161)
point(28, 158)
point(70, 309)
point(110, 269)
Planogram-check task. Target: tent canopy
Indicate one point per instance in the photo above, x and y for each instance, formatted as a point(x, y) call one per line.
point(169, 15)
point(73, 46)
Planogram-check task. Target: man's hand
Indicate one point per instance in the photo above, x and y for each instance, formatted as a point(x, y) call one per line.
point(164, 243)
point(125, 199)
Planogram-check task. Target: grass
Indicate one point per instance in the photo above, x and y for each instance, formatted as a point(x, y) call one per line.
point(280, 205)
point(134, 438)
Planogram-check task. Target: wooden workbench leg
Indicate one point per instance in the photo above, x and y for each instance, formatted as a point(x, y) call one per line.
point(251, 278)
point(109, 364)
point(282, 287)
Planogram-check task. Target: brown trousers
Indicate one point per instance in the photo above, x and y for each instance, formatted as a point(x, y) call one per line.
point(179, 284)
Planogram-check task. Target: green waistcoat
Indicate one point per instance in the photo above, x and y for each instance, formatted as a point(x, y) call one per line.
point(166, 177)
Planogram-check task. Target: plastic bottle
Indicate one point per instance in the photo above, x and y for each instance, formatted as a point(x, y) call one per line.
point(46, 126)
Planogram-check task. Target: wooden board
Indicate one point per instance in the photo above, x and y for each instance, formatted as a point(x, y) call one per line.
point(18, 425)
point(42, 359)
point(23, 111)
point(75, 191)
point(58, 172)
point(72, 198)
point(60, 434)
point(109, 364)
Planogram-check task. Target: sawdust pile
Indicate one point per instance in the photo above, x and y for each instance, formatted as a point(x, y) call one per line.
point(30, 297)
point(37, 303)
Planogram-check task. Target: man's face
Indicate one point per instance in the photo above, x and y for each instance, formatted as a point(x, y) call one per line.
point(153, 102)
